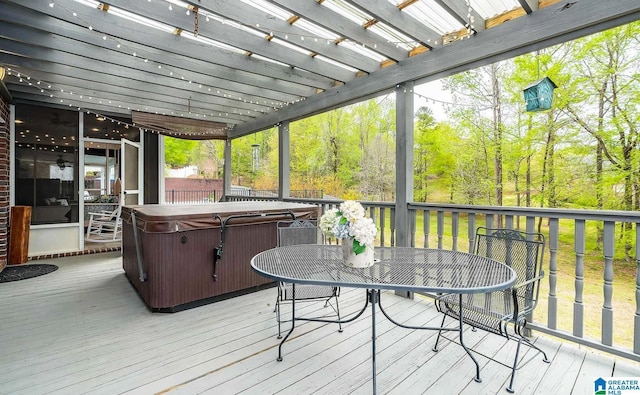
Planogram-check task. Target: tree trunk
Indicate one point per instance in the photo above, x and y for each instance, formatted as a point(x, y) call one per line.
point(497, 134)
point(547, 166)
point(553, 196)
point(497, 138)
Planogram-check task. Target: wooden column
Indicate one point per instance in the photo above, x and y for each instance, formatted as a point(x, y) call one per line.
point(5, 178)
point(284, 161)
point(404, 161)
point(226, 174)
point(404, 166)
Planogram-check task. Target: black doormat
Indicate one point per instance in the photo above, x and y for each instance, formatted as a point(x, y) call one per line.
point(22, 272)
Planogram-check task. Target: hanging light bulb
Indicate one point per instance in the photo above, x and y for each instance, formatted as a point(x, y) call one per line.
point(52, 4)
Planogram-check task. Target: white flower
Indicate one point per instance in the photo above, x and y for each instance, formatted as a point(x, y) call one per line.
point(349, 221)
point(351, 210)
point(328, 221)
point(364, 231)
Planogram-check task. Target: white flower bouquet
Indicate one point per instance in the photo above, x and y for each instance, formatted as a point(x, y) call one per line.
point(349, 222)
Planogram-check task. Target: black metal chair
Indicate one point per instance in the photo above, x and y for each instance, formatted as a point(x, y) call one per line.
point(303, 231)
point(495, 312)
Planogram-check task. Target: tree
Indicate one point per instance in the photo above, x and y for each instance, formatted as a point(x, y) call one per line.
point(209, 157)
point(178, 152)
point(435, 155)
point(608, 70)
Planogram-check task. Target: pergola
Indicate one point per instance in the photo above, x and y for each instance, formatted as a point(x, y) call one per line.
point(226, 68)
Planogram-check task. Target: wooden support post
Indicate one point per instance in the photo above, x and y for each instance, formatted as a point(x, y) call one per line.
point(284, 161)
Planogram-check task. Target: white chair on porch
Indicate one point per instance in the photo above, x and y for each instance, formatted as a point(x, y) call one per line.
point(106, 226)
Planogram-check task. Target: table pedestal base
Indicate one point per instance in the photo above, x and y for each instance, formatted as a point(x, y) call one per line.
point(373, 298)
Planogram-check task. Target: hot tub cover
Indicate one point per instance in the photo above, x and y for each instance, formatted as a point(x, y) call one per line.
point(168, 218)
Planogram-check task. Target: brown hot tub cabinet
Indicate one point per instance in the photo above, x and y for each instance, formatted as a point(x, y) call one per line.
point(178, 257)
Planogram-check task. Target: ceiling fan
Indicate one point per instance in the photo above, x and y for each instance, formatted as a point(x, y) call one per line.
point(61, 163)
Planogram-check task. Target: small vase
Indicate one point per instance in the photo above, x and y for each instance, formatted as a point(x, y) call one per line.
point(349, 258)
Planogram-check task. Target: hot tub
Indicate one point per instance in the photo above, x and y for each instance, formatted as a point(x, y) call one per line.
point(182, 256)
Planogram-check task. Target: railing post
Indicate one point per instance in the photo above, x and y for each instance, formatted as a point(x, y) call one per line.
point(173, 197)
point(552, 312)
point(607, 308)
point(578, 306)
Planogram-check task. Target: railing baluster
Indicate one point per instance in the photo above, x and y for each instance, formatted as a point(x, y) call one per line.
point(489, 221)
point(383, 219)
point(607, 308)
point(426, 217)
point(412, 228)
point(393, 227)
point(455, 217)
point(530, 223)
point(440, 228)
point(471, 231)
point(513, 216)
point(578, 306)
point(372, 214)
point(552, 312)
point(636, 318)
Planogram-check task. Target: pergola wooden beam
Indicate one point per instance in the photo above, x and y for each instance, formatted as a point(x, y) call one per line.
point(311, 10)
point(386, 12)
point(543, 28)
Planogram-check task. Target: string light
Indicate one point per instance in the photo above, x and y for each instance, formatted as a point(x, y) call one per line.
point(81, 108)
point(106, 37)
point(272, 32)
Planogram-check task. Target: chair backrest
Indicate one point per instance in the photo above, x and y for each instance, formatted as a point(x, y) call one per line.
point(523, 252)
point(299, 231)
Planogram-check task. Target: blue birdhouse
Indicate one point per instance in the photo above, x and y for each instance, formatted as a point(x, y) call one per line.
point(539, 95)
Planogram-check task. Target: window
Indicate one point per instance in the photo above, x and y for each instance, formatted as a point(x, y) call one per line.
point(46, 156)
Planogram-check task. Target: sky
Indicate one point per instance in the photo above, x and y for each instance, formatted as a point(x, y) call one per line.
point(433, 96)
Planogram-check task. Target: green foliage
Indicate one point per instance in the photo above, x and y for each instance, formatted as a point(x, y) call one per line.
point(489, 149)
point(178, 152)
point(251, 157)
point(434, 157)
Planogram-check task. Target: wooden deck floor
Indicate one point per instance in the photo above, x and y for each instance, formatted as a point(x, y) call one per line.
point(83, 329)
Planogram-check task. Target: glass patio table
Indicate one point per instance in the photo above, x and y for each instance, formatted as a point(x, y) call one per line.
point(403, 269)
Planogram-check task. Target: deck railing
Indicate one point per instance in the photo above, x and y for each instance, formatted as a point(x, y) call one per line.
point(179, 196)
point(176, 196)
point(589, 251)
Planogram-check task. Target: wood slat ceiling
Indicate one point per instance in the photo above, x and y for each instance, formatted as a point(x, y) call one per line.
point(252, 63)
